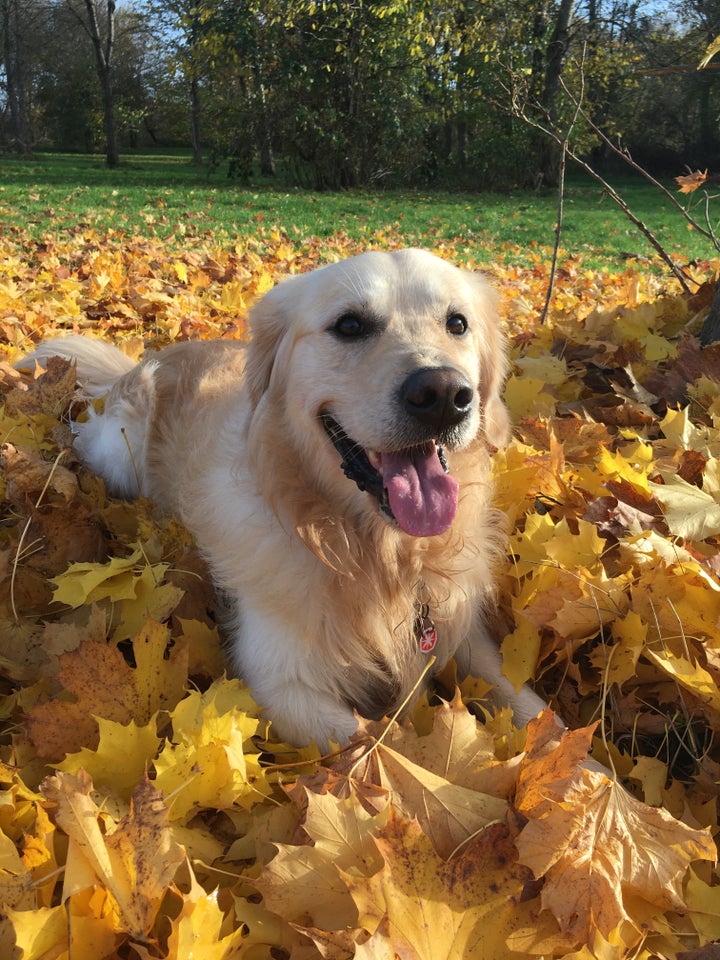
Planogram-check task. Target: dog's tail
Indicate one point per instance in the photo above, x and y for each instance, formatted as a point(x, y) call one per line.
point(99, 364)
point(111, 443)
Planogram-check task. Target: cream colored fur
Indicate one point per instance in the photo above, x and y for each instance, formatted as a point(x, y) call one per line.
point(325, 588)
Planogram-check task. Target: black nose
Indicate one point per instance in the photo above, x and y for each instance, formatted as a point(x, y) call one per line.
point(440, 397)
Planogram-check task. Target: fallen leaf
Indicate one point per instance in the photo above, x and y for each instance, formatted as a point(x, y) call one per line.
point(429, 909)
point(302, 882)
point(449, 814)
point(135, 860)
point(595, 845)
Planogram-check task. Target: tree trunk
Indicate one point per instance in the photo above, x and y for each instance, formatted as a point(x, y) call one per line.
point(103, 64)
point(710, 332)
point(537, 71)
point(267, 156)
point(554, 64)
point(15, 78)
point(195, 111)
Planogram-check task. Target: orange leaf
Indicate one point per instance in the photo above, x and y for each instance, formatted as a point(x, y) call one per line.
point(596, 846)
point(691, 182)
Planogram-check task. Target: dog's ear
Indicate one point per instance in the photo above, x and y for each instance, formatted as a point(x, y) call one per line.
point(496, 422)
point(496, 417)
point(270, 318)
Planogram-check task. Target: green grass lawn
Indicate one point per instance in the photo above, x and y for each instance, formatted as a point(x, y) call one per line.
point(164, 195)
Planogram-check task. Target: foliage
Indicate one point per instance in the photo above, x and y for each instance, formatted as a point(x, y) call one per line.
point(147, 812)
point(331, 95)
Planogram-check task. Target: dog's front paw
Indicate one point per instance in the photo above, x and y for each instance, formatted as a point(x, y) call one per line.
point(303, 715)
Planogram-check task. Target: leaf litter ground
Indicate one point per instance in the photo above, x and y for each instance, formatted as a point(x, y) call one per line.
point(145, 809)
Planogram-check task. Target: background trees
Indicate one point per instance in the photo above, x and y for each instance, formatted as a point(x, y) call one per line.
point(338, 93)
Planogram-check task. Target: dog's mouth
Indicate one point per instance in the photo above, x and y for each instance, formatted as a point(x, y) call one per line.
point(412, 486)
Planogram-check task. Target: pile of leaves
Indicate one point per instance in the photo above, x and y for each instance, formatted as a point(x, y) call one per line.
point(146, 811)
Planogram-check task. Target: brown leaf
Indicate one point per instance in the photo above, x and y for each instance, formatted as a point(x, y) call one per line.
point(691, 181)
point(711, 951)
point(104, 685)
point(49, 393)
point(28, 476)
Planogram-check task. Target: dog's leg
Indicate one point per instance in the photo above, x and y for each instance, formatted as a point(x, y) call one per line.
point(480, 656)
point(292, 683)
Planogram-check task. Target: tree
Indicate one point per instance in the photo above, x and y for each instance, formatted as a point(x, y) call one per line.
point(16, 86)
point(23, 30)
point(183, 23)
point(555, 55)
point(97, 18)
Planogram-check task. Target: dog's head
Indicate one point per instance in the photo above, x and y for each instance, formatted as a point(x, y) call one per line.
point(384, 364)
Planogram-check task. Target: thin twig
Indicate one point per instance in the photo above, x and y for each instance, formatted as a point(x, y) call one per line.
point(406, 701)
point(558, 232)
point(626, 157)
point(21, 541)
point(561, 198)
point(549, 130)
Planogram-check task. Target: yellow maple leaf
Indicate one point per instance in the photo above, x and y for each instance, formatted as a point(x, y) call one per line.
point(596, 846)
point(160, 676)
point(448, 813)
point(688, 673)
point(39, 933)
point(197, 931)
point(574, 601)
point(617, 662)
point(133, 584)
point(16, 881)
point(180, 270)
point(521, 472)
point(653, 775)
point(691, 513)
point(458, 748)
point(232, 298)
point(582, 549)
point(520, 651)
point(135, 744)
point(88, 930)
point(84, 582)
point(429, 909)
point(703, 907)
point(151, 599)
point(613, 466)
point(527, 397)
point(302, 883)
point(211, 760)
point(679, 430)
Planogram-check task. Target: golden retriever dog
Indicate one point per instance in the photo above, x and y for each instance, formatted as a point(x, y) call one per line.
point(335, 474)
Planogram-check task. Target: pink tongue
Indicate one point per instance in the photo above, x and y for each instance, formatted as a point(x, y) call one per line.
point(423, 497)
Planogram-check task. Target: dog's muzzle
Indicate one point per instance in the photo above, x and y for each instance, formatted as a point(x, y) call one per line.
point(412, 486)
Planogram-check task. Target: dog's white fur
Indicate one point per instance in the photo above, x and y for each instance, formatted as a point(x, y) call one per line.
point(325, 588)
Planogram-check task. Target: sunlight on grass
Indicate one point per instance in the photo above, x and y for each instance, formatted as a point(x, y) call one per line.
point(167, 197)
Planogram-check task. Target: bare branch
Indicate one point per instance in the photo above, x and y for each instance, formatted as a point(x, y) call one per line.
point(548, 129)
point(627, 158)
point(561, 208)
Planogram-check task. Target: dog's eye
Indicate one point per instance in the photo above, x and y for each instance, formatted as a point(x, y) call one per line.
point(350, 327)
point(456, 324)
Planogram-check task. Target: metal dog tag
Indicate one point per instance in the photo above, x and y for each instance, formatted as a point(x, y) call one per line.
point(425, 630)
